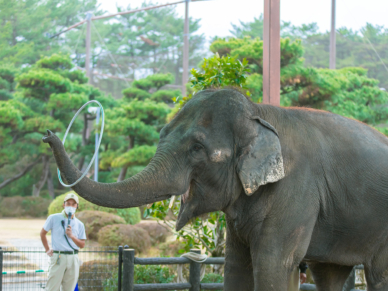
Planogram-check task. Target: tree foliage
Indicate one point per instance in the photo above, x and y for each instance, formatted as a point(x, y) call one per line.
point(45, 98)
point(134, 125)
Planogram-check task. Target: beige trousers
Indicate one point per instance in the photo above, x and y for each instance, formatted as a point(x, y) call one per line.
point(63, 271)
point(293, 283)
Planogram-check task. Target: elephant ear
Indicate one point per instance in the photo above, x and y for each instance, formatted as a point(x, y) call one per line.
point(261, 162)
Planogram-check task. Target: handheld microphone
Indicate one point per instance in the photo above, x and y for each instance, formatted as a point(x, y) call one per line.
point(68, 219)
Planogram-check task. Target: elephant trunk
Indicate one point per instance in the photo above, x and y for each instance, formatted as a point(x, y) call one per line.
point(151, 185)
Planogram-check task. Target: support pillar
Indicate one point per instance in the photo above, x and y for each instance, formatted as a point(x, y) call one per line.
point(271, 52)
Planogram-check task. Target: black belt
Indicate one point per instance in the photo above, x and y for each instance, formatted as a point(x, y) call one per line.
point(67, 252)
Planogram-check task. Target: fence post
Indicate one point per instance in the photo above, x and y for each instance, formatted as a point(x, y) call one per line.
point(119, 277)
point(1, 269)
point(195, 273)
point(128, 269)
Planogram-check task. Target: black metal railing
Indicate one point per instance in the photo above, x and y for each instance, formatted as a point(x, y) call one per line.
point(194, 284)
point(108, 269)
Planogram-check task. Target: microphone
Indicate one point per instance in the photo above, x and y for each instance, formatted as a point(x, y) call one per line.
point(68, 219)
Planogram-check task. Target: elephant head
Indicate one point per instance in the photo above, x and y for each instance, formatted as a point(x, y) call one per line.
point(215, 149)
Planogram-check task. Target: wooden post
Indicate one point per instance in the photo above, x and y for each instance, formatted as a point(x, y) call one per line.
point(185, 75)
point(271, 52)
point(195, 273)
point(332, 37)
point(120, 271)
point(129, 269)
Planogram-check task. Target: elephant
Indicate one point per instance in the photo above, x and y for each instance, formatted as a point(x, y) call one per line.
point(295, 185)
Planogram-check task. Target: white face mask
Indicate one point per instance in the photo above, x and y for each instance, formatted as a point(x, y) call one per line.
point(70, 209)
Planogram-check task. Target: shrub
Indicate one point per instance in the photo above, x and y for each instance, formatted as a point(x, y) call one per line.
point(143, 84)
point(95, 220)
point(18, 206)
point(160, 80)
point(143, 275)
point(212, 278)
point(136, 93)
point(97, 273)
point(130, 215)
point(153, 274)
point(165, 95)
point(157, 232)
point(121, 234)
point(172, 248)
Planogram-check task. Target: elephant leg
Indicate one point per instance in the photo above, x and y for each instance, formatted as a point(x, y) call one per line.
point(376, 272)
point(238, 266)
point(329, 277)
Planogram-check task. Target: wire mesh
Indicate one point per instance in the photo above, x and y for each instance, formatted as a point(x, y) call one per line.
point(26, 268)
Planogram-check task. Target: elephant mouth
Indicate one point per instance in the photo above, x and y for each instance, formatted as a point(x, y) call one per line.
point(185, 196)
point(186, 210)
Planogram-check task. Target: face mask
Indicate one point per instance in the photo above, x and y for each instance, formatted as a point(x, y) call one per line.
point(70, 209)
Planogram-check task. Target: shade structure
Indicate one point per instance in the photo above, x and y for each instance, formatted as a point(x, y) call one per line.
point(271, 52)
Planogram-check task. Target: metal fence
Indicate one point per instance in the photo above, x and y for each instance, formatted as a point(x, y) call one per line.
point(27, 268)
point(107, 269)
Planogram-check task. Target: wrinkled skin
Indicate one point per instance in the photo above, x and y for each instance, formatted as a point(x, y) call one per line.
point(294, 184)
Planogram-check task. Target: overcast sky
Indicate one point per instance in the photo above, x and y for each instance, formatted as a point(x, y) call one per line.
point(217, 15)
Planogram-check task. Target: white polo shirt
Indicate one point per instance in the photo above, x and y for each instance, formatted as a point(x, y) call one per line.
point(58, 240)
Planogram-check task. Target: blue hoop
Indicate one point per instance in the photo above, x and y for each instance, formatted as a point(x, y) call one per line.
point(99, 141)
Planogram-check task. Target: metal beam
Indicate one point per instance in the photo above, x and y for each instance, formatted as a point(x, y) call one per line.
point(271, 52)
point(185, 75)
point(88, 42)
point(332, 37)
point(123, 13)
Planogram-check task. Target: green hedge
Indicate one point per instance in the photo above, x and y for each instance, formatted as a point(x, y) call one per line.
point(130, 215)
point(95, 220)
point(125, 234)
point(18, 206)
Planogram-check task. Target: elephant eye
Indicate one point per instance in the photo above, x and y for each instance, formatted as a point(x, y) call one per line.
point(197, 147)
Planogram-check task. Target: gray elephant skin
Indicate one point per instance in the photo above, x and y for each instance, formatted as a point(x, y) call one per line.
point(295, 184)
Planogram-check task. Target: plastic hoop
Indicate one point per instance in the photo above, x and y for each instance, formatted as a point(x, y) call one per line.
point(99, 141)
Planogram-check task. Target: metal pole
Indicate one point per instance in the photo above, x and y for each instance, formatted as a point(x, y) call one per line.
point(332, 37)
point(195, 273)
point(128, 269)
point(271, 52)
point(119, 276)
point(185, 76)
point(96, 146)
point(88, 41)
point(1, 269)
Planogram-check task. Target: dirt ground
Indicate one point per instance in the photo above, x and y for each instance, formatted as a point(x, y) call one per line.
point(21, 229)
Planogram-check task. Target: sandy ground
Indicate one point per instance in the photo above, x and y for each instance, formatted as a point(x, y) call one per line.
point(20, 231)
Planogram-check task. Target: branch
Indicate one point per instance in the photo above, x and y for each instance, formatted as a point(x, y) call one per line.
point(21, 174)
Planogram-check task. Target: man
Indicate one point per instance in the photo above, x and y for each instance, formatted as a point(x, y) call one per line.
point(298, 276)
point(66, 239)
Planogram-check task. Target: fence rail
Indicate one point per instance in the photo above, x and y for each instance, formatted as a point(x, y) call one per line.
point(194, 284)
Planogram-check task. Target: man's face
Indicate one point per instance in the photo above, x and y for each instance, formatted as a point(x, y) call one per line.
point(70, 202)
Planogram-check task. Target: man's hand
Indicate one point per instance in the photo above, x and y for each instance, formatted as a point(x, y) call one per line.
point(50, 252)
point(69, 233)
point(303, 278)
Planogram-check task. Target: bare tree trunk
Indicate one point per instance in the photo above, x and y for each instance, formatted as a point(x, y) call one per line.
point(45, 170)
point(123, 172)
point(50, 184)
point(21, 174)
point(124, 169)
